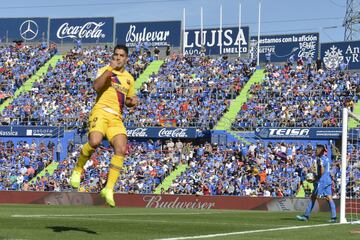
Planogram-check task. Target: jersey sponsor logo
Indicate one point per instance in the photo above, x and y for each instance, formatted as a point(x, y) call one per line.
point(119, 88)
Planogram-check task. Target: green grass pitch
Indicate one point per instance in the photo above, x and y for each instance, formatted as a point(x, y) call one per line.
point(39, 222)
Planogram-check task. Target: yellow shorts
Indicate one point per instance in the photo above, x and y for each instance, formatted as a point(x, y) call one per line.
point(107, 123)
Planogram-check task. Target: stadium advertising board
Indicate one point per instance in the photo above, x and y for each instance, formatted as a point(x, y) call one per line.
point(28, 131)
point(158, 132)
point(335, 53)
point(87, 30)
point(165, 201)
point(25, 29)
point(153, 33)
point(282, 47)
point(298, 133)
point(215, 41)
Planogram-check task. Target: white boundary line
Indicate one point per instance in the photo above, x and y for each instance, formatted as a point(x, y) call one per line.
point(247, 232)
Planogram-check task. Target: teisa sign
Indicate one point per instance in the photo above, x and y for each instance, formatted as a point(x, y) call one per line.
point(87, 30)
point(216, 41)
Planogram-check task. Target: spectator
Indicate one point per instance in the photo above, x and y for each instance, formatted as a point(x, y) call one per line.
point(156, 53)
point(58, 150)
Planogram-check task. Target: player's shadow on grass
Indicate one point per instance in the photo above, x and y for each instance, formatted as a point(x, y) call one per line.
point(65, 229)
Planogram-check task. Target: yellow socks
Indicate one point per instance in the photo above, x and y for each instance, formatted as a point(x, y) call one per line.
point(116, 165)
point(85, 154)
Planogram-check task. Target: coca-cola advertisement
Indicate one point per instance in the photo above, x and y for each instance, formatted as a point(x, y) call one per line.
point(161, 132)
point(137, 132)
point(86, 30)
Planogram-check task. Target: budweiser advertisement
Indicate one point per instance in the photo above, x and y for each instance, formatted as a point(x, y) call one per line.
point(84, 30)
point(165, 201)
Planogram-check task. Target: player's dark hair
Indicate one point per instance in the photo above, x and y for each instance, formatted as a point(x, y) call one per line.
point(123, 47)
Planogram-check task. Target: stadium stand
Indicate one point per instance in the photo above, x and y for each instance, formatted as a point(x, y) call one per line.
point(21, 161)
point(189, 92)
point(259, 169)
point(147, 164)
point(18, 63)
point(295, 96)
point(186, 92)
point(55, 98)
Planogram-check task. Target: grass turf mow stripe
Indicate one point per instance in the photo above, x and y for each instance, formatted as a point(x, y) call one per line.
point(246, 232)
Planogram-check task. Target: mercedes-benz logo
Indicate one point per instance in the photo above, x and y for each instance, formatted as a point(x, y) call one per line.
point(29, 30)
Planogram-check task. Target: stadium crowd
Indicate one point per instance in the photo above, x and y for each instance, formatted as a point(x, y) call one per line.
point(259, 169)
point(65, 95)
point(21, 161)
point(189, 92)
point(18, 63)
point(146, 165)
point(299, 96)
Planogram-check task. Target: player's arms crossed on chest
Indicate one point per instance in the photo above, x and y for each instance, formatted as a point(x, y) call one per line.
point(103, 79)
point(103, 76)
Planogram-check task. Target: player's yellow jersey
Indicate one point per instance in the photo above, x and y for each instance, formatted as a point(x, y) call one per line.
point(112, 97)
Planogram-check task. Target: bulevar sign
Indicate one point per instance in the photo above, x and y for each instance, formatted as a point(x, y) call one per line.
point(164, 201)
point(167, 33)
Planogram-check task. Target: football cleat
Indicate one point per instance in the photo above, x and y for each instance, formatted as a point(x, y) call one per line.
point(75, 179)
point(108, 195)
point(302, 218)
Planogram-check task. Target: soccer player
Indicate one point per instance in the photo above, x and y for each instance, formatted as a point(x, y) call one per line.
point(115, 88)
point(322, 184)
